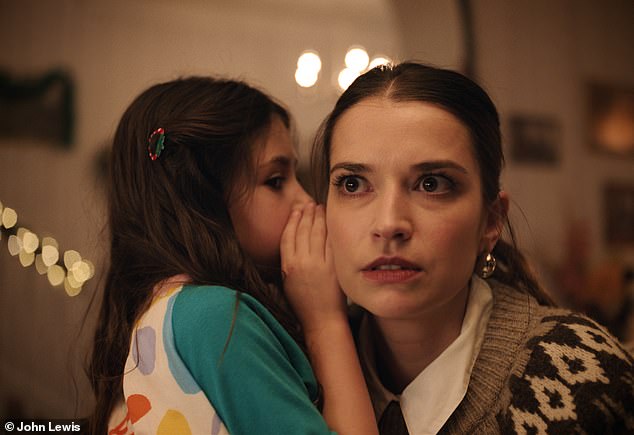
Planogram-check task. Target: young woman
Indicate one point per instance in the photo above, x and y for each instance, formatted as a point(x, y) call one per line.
point(195, 334)
point(456, 334)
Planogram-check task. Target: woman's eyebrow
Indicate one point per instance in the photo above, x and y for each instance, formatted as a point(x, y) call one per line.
point(421, 167)
point(349, 166)
point(281, 161)
point(439, 164)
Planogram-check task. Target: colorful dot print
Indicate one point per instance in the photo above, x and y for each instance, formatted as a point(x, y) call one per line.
point(178, 369)
point(138, 406)
point(173, 422)
point(216, 425)
point(144, 349)
point(162, 397)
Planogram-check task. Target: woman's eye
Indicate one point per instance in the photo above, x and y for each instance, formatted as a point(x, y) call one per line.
point(275, 183)
point(350, 184)
point(436, 184)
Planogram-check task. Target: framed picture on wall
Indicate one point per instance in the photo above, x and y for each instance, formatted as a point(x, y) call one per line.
point(535, 139)
point(611, 119)
point(619, 214)
point(37, 108)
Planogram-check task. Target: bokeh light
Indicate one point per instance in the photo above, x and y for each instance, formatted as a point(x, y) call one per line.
point(39, 265)
point(56, 275)
point(9, 217)
point(70, 258)
point(346, 77)
point(379, 60)
point(30, 242)
point(26, 258)
point(357, 59)
point(50, 255)
point(310, 61)
point(14, 245)
point(308, 67)
point(72, 271)
point(306, 78)
point(72, 287)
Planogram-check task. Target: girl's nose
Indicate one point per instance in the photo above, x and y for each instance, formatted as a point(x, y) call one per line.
point(300, 195)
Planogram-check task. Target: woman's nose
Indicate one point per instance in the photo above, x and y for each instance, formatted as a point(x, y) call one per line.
point(392, 221)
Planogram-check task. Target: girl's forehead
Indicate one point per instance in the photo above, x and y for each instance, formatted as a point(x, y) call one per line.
point(277, 143)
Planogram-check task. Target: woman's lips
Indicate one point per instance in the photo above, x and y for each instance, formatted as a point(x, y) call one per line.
point(389, 276)
point(390, 270)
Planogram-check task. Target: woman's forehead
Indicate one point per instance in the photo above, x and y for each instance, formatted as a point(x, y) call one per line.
point(378, 128)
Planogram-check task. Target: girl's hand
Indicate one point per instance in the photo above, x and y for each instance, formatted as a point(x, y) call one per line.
point(310, 282)
point(312, 289)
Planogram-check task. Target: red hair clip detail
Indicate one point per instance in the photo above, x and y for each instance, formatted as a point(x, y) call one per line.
point(156, 143)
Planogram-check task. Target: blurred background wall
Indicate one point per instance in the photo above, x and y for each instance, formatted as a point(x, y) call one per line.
point(549, 66)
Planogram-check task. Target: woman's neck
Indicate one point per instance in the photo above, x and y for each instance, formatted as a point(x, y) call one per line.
point(405, 347)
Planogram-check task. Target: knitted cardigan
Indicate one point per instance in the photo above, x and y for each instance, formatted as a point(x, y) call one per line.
point(545, 370)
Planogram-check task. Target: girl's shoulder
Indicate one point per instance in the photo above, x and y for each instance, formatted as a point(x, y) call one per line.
point(201, 304)
point(217, 315)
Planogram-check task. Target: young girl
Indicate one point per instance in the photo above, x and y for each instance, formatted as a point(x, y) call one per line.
point(194, 334)
point(456, 335)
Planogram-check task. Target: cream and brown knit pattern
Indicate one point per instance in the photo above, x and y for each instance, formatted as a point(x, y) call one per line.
point(578, 380)
point(543, 370)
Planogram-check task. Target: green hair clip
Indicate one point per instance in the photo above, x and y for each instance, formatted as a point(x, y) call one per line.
point(158, 144)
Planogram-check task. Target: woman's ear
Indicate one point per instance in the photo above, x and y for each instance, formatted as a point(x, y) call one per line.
point(494, 225)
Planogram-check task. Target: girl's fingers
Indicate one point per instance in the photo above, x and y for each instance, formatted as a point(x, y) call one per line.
point(304, 228)
point(287, 243)
point(318, 233)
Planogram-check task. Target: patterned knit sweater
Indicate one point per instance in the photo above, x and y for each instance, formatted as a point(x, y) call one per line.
point(545, 370)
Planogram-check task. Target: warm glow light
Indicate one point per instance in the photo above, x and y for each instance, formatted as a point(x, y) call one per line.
point(45, 254)
point(9, 217)
point(39, 265)
point(379, 60)
point(50, 255)
point(357, 59)
point(71, 288)
point(26, 258)
point(72, 281)
point(55, 275)
point(346, 77)
point(309, 61)
point(30, 242)
point(80, 271)
point(306, 78)
point(70, 258)
point(308, 67)
point(14, 245)
point(50, 241)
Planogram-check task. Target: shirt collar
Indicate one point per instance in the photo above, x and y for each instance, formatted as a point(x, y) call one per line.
point(430, 399)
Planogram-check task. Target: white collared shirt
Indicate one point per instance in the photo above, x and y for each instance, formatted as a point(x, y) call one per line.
point(430, 399)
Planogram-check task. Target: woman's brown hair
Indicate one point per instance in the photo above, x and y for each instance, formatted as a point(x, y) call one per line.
point(467, 101)
point(170, 216)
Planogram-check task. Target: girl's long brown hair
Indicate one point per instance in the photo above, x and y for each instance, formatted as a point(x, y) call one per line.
point(170, 216)
point(467, 101)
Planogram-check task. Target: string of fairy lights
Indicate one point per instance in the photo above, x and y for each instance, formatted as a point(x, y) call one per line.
point(69, 269)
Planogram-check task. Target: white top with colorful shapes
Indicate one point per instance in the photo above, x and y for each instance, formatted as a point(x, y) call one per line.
point(207, 359)
point(161, 395)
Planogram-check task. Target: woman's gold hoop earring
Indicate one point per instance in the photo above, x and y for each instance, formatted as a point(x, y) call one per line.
point(489, 266)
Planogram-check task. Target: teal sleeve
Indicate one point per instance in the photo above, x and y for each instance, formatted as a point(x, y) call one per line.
point(260, 382)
